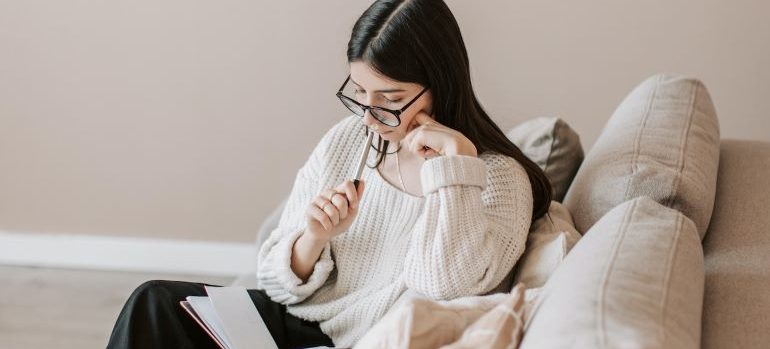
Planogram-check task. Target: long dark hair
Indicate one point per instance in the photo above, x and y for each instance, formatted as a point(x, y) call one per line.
point(419, 41)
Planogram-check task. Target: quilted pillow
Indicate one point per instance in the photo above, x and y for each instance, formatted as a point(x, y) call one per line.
point(635, 280)
point(663, 142)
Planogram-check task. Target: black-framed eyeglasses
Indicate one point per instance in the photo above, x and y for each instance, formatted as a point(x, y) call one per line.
point(386, 116)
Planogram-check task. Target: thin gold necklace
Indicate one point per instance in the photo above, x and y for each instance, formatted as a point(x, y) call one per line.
point(398, 167)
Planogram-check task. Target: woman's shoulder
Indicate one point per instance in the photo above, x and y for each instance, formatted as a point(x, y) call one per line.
point(501, 163)
point(505, 173)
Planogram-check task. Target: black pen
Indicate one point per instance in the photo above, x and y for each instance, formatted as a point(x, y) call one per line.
point(362, 161)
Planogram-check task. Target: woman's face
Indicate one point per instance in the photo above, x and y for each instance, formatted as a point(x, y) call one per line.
point(374, 89)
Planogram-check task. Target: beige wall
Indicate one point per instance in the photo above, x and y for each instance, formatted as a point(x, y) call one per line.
point(180, 119)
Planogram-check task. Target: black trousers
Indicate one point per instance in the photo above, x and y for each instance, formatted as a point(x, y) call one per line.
point(153, 318)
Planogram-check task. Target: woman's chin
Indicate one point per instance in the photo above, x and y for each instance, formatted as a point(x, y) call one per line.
point(387, 135)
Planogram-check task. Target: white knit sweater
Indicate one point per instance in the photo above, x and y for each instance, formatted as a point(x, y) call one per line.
point(460, 239)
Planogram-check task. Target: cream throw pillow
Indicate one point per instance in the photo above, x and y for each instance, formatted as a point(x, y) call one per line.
point(549, 240)
point(635, 280)
point(499, 328)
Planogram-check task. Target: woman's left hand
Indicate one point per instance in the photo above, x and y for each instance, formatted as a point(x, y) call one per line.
point(428, 138)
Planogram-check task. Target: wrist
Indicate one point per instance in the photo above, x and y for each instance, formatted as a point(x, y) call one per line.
point(312, 239)
point(305, 253)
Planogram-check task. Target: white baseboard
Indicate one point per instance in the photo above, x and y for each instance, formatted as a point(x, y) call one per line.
point(127, 254)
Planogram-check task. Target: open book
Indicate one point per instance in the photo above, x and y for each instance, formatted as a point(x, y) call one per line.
point(230, 318)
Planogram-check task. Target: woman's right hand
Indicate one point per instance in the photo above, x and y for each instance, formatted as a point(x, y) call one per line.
point(329, 214)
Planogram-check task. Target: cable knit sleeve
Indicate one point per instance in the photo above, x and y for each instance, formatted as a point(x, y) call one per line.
point(274, 273)
point(474, 226)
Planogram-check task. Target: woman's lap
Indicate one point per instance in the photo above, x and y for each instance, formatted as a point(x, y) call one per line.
point(153, 318)
point(288, 330)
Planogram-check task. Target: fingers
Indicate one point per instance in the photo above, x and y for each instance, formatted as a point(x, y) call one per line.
point(427, 153)
point(341, 204)
point(321, 217)
point(420, 123)
point(329, 208)
point(332, 206)
point(360, 192)
point(411, 135)
point(422, 118)
point(339, 200)
point(350, 191)
point(416, 143)
point(430, 138)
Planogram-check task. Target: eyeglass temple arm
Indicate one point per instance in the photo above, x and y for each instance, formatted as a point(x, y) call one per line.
point(344, 83)
point(413, 100)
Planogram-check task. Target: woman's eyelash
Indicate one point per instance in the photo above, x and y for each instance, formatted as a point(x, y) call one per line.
point(389, 100)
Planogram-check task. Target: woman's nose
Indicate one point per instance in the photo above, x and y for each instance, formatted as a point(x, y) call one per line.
point(369, 120)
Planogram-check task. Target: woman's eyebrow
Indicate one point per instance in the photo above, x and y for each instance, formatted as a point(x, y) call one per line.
point(380, 91)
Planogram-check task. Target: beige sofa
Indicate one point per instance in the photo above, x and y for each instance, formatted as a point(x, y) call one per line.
point(736, 272)
point(736, 302)
point(716, 190)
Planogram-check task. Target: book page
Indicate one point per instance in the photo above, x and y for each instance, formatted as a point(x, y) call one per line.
point(242, 324)
point(206, 313)
point(190, 310)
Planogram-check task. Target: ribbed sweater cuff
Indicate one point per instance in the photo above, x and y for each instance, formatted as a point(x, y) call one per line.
point(289, 280)
point(449, 170)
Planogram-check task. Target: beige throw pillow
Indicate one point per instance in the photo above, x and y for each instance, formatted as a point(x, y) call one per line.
point(549, 240)
point(663, 142)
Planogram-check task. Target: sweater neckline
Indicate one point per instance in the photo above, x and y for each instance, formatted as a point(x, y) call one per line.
point(394, 188)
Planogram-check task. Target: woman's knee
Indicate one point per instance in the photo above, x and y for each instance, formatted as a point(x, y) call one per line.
point(154, 290)
point(169, 290)
point(151, 286)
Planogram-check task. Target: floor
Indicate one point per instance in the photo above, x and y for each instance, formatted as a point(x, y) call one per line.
point(67, 309)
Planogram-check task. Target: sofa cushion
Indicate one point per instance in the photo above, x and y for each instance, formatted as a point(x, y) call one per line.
point(737, 249)
point(548, 241)
point(663, 142)
point(554, 146)
point(634, 281)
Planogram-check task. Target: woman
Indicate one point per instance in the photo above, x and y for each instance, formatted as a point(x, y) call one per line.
point(443, 209)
